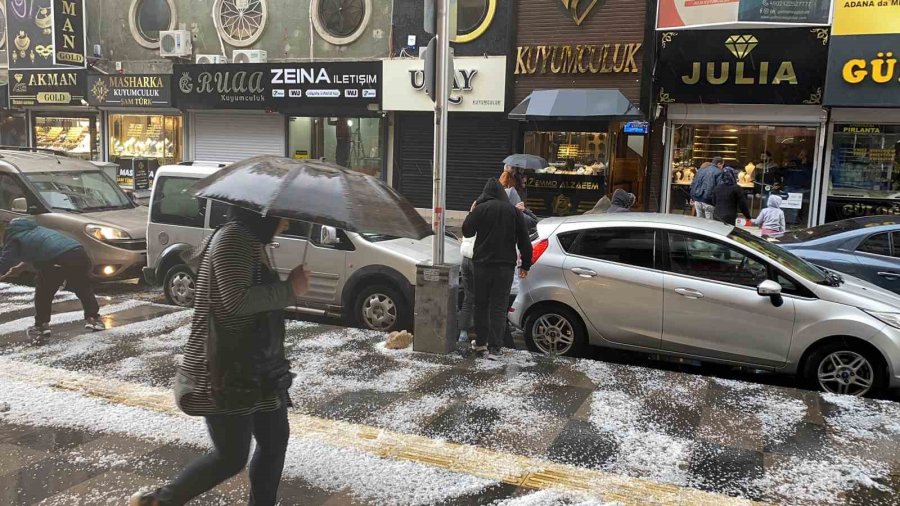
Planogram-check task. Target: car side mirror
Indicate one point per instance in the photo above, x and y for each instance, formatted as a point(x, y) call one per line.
point(328, 236)
point(771, 289)
point(20, 205)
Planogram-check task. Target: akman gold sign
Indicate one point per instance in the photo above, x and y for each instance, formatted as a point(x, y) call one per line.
point(578, 59)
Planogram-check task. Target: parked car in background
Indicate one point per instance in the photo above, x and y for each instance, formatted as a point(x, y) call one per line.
point(868, 248)
point(368, 279)
point(699, 289)
point(77, 198)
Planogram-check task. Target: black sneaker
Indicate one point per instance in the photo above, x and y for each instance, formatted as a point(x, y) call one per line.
point(94, 324)
point(480, 351)
point(37, 333)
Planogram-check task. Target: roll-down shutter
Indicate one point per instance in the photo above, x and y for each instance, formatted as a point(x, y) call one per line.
point(477, 145)
point(228, 137)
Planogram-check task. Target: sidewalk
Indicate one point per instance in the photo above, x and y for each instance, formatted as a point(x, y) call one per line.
point(91, 417)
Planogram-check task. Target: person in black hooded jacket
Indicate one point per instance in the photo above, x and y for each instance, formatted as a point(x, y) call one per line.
point(500, 229)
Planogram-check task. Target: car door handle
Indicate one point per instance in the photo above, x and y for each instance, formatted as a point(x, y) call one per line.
point(889, 275)
point(584, 273)
point(689, 293)
point(275, 245)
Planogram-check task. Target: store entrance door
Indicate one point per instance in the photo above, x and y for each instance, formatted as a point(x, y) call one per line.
point(770, 161)
point(355, 143)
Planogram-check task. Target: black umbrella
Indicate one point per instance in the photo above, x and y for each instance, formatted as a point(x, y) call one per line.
point(525, 161)
point(315, 192)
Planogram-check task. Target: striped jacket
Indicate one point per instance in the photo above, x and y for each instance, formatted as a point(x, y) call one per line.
point(229, 286)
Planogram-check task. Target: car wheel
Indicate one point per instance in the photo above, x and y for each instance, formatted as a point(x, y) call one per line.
point(555, 330)
point(179, 286)
point(842, 368)
point(381, 308)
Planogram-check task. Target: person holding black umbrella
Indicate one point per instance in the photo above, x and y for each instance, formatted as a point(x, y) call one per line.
point(235, 373)
point(499, 230)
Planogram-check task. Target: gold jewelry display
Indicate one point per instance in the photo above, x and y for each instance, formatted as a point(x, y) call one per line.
point(44, 51)
point(22, 41)
point(43, 21)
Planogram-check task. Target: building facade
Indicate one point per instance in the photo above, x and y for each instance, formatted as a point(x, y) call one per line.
point(580, 100)
point(737, 93)
point(862, 92)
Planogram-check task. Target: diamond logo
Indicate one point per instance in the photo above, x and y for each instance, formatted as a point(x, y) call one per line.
point(741, 45)
point(579, 9)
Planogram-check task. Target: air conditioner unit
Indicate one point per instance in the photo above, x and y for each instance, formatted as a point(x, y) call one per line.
point(249, 56)
point(207, 59)
point(175, 43)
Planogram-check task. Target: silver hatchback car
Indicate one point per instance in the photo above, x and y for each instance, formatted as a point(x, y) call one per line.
point(698, 289)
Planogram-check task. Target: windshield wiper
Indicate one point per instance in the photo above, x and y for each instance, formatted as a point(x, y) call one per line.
point(67, 209)
point(831, 278)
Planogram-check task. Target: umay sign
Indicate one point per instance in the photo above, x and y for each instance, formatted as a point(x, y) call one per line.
point(478, 86)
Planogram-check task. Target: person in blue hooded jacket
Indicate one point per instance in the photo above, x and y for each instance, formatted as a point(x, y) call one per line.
point(57, 259)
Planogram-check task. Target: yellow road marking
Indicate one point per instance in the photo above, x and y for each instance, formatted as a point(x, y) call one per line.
point(468, 459)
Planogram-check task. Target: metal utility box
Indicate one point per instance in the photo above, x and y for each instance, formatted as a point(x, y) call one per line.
point(437, 290)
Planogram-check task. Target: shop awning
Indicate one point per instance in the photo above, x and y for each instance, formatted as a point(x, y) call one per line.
point(575, 105)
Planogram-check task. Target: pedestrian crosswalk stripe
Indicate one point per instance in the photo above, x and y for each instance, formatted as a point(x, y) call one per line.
point(500, 466)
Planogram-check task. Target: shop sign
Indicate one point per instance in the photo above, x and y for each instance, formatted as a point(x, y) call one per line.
point(277, 86)
point(130, 90)
point(866, 17)
point(478, 86)
point(859, 129)
point(740, 67)
point(578, 59)
point(45, 35)
point(579, 9)
point(863, 71)
point(562, 194)
point(677, 14)
point(69, 33)
point(842, 208)
point(46, 87)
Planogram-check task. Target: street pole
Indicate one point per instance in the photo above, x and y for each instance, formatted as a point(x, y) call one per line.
point(439, 198)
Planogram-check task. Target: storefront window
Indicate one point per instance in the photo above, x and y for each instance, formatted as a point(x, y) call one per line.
point(76, 136)
point(770, 160)
point(145, 136)
point(355, 143)
point(865, 171)
point(576, 177)
point(13, 131)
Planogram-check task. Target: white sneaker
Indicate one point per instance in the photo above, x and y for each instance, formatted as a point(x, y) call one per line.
point(94, 324)
point(493, 356)
point(463, 336)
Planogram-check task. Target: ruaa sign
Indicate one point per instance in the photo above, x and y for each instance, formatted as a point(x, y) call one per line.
point(743, 66)
point(277, 86)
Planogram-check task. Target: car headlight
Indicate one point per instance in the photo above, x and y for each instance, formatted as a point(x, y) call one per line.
point(892, 319)
point(105, 233)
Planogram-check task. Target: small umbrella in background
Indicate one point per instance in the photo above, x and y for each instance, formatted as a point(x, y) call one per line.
point(523, 161)
point(315, 192)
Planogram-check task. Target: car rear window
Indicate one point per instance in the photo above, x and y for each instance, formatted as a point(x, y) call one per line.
point(175, 204)
point(630, 246)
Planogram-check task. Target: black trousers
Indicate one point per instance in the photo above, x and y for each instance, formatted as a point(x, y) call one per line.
point(493, 283)
point(72, 268)
point(231, 444)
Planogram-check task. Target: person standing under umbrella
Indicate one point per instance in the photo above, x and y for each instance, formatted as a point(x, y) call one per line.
point(234, 371)
point(499, 230)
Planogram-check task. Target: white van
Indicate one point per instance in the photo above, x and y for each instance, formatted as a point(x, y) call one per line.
point(368, 279)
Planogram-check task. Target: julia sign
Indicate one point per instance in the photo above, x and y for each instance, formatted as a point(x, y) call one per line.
point(745, 66)
point(478, 86)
